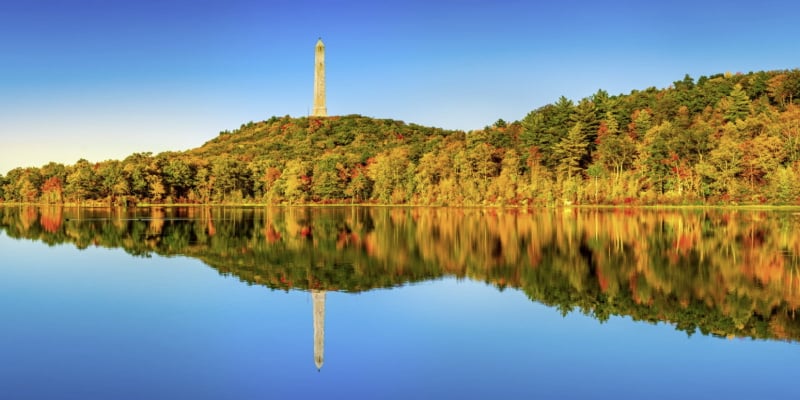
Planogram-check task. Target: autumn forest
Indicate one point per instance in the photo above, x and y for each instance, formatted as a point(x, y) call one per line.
point(722, 139)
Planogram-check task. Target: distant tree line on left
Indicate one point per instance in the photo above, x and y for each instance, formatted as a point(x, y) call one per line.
point(139, 177)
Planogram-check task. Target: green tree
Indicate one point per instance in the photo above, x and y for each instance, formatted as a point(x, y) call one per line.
point(738, 104)
point(480, 157)
point(156, 188)
point(3, 183)
point(595, 171)
point(585, 113)
point(506, 185)
point(721, 168)
point(388, 172)
point(360, 186)
point(54, 169)
point(265, 173)
point(615, 150)
point(135, 170)
point(656, 157)
point(112, 180)
point(784, 187)
point(784, 87)
point(330, 177)
point(203, 185)
point(178, 177)
point(641, 122)
point(545, 127)
point(540, 185)
point(570, 151)
point(232, 180)
point(296, 181)
point(10, 190)
point(787, 128)
point(761, 157)
point(428, 178)
point(28, 185)
point(82, 182)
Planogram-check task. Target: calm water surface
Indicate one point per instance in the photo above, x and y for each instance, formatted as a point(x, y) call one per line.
point(398, 303)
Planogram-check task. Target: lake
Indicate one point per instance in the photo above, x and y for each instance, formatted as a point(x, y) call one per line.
point(360, 302)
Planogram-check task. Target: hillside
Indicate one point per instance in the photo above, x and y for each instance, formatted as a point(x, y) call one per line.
point(308, 138)
point(727, 138)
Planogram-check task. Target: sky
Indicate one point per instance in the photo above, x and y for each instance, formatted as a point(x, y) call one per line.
point(102, 79)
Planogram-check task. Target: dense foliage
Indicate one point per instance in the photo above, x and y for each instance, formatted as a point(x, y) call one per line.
point(721, 139)
point(723, 273)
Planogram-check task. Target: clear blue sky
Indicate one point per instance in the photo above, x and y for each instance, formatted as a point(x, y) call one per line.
point(101, 79)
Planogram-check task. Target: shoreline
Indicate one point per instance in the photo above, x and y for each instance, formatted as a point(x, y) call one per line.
point(753, 207)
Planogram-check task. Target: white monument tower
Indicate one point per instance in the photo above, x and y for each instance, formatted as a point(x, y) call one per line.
point(320, 110)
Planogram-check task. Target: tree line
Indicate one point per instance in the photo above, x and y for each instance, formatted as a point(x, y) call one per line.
point(721, 139)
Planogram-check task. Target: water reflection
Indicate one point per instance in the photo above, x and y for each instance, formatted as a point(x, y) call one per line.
point(318, 297)
point(725, 273)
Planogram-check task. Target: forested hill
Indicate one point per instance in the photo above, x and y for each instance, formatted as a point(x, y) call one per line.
point(728, 138)
point(307, 138)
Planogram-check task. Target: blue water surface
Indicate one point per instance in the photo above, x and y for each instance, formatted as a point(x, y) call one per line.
point(101, 324)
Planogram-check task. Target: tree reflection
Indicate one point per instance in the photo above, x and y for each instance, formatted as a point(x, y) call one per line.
point(726, 273)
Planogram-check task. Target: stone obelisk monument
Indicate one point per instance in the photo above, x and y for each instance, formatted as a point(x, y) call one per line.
point(319, 81)
point(318, 298)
